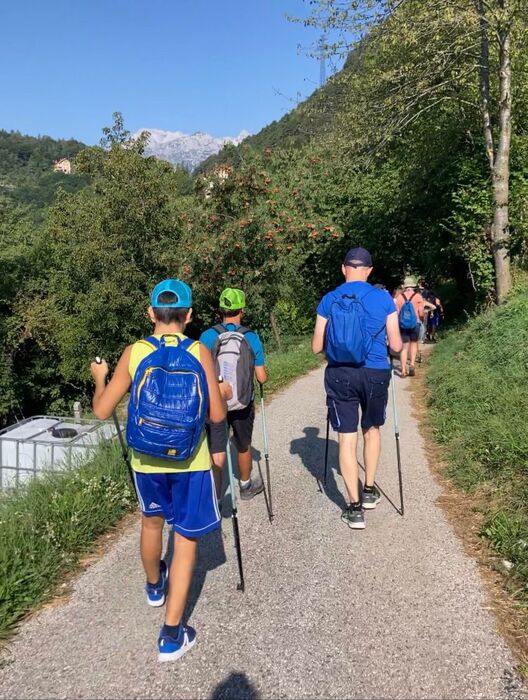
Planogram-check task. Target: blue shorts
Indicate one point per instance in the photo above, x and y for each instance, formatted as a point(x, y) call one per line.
point(348, 389)
point(187, 500)
point(410, 335)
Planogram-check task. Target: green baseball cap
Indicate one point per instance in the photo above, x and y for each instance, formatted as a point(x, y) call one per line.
point(232, 299)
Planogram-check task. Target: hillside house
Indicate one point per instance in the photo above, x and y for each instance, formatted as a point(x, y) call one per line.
point(63, 165)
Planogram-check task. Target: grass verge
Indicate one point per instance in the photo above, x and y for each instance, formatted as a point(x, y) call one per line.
point(295, 359)
point(48, 524)
point(478, 399)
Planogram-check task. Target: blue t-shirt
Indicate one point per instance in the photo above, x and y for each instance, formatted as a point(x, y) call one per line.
point(208, 338)
point(378, 305)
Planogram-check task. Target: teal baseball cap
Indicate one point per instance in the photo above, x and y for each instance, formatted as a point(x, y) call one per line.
point(181, 291)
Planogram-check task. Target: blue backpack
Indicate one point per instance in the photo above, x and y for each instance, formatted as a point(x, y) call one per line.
point(408, 318)
point(347, 338)
point(168, 402)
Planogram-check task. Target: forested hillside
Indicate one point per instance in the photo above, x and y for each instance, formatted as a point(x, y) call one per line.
point(26, 168)
point(390, 154)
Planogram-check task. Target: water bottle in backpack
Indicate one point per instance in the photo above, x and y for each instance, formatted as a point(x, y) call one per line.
point(407, 317)
point(169, 401)
point(235, 362)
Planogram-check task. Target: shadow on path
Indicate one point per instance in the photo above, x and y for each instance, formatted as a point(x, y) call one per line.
point(311, 450)
point(236, 685)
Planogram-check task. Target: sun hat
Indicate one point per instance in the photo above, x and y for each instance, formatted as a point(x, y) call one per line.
point(232, 299)
point(409, 281)
point(181, 291)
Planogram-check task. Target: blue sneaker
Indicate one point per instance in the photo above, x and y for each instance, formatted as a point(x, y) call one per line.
point(172, 649)
point(156, 592)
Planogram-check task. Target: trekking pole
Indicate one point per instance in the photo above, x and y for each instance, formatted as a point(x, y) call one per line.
point(124, 448)
point(266, 454)
point(326, 448)
point(234, 513)
point(397, 436)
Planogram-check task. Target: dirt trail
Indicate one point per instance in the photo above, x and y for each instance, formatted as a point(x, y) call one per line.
point(394, 611)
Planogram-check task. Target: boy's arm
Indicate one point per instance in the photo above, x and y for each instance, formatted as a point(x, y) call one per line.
point(261, 373)
point(319, 334)
point(217, 404)
point(107, 396)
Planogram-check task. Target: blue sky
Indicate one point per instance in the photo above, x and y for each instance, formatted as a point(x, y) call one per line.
point(192, 65)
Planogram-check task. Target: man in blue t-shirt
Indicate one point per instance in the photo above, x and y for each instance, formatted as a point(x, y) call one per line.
point(351, 386)
point(232, 307)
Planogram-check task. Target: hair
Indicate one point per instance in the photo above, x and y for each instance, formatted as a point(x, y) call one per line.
point(167, 315)
point(230, 313)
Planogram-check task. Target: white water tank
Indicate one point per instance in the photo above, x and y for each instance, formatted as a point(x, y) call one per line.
point(48, 443)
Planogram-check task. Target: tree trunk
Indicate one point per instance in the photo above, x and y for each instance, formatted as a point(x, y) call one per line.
point(501, 171)
point(499, 159)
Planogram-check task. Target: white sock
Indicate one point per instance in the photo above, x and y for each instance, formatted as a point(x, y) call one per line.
point(244, 484)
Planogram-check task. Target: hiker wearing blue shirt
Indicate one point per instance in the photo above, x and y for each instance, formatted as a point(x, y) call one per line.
point(354, 323)
point(239, 357)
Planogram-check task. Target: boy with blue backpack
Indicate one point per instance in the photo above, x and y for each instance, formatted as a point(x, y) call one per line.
point(354, 323)
point(239, 358)
point(410, 305)
point(173, 389)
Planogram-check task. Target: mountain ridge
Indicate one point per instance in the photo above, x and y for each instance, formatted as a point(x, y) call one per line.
point(186, 150)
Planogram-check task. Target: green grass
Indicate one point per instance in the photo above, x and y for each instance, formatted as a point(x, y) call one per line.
point(295, 359)
point(47, 524)
point(478, 395)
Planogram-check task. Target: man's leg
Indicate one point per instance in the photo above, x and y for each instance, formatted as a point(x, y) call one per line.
point(180, 578)
point(371, 454)
point(348, 464)
point(151, 546)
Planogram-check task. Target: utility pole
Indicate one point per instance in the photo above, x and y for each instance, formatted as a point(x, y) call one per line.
point(322, 61)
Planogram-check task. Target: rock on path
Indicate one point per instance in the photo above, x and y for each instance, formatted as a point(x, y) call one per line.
point(395, 611)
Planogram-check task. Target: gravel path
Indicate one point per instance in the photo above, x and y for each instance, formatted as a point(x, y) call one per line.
point(395, 611)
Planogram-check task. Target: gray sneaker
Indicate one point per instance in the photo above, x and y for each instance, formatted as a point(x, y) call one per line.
point(254, 487)
point(371, 499)
point(354, 517)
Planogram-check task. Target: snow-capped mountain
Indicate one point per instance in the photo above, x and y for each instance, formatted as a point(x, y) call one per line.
point(188, 150)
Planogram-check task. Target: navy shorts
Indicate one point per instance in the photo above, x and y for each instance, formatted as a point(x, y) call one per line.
point(410, 336)
point(241, 422)
point(186, 500)
point(348, 389)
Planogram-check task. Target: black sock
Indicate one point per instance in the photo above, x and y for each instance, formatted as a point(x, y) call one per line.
point(171, 631)
point(356, 505)
point(368, 489)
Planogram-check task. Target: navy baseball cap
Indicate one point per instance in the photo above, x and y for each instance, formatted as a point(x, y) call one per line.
point(358, 257)
point(181, 291)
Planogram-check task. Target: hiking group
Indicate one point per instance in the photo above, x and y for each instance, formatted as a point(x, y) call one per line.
point(187, 396)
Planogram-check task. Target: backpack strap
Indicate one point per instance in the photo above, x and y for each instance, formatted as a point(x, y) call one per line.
point(220, 328)
point(151, 341)
point(187, 343)
point(243, 330)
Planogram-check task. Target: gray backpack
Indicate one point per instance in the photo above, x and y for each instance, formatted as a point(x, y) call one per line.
point(235, 361)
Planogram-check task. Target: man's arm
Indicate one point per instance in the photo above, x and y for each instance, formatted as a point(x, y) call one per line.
point(319, 334)
point(107, 396)
point(393, 333)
